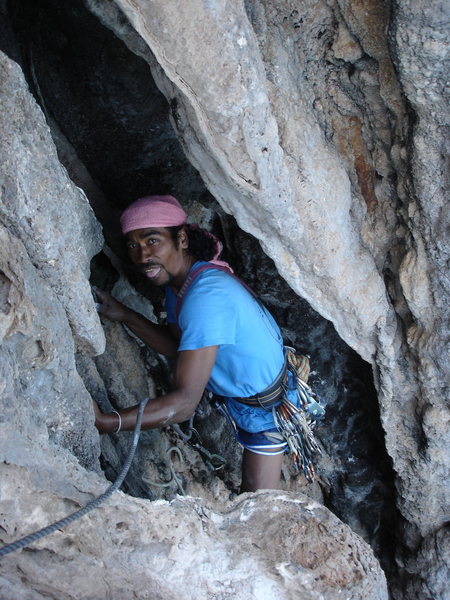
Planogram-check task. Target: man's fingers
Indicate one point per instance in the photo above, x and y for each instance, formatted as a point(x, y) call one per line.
point(108, 306)
point(100, 294)
point(104, 301)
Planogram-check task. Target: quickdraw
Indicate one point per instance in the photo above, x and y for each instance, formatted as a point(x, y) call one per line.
point(296, 424)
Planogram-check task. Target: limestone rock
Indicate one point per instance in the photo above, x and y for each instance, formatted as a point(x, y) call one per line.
point(233, 123)
point(322, 127)
point(38, 367)
point(39, 297)
point(275, 133)
point(43, 400)
point(268, 545)
point(38, 202)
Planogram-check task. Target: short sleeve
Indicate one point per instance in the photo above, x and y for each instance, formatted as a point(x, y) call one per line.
point(208, 315)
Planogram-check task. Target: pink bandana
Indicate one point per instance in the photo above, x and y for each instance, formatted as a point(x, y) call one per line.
point(163, 211)
point(152, 211)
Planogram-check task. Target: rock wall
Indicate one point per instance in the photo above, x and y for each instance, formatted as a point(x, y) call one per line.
point(189, 548)
point(48, 235)
point(311, 124)
point(299, 125)
point(260, 546)
point(302, 128)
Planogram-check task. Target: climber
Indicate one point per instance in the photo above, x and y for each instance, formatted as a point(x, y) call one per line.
point(222, 336)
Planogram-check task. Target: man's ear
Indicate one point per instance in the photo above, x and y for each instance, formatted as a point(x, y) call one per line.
point(183, 239)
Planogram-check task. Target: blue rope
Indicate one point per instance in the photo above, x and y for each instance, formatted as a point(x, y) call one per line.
point(33, 537)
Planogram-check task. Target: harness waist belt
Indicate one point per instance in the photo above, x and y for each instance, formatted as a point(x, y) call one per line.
point(270, 396)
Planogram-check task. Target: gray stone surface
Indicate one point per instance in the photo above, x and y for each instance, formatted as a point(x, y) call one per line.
point(283, 183)
point(47, 234)
point(315, 118)
point(129, 546)
point(41, 207)
point(266, 546)
point(43, 400)
point(297, 122)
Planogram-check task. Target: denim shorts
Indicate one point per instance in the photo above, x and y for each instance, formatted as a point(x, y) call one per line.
point(268, 442)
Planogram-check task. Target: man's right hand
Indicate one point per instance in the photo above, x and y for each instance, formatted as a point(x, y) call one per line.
point(109, 306)
point(158, 337)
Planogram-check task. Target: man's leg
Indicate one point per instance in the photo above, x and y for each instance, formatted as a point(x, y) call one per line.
point(260, 471)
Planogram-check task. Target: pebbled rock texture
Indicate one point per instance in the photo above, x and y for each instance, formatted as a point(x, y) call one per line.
point(267, 545)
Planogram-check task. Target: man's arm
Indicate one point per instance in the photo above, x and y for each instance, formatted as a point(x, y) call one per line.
point(160, 338)
point(192, 374)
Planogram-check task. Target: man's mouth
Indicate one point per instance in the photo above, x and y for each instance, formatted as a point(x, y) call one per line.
point(151, 271)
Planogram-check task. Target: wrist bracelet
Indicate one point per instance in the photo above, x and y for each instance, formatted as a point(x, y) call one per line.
point(120, 421)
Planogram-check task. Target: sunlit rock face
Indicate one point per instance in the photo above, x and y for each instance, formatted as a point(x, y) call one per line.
point(311, 125)
point(269, 545)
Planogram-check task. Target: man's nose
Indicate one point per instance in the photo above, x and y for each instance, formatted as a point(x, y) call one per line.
point(145, 253)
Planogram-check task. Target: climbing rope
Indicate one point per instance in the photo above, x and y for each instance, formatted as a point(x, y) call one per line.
point(37, 535)
point(174, 477)
point(190, 430)
point(215, 462)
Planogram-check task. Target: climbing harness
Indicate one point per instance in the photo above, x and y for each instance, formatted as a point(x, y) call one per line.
point(37, 535)
point(271, 395)
point(295, 424)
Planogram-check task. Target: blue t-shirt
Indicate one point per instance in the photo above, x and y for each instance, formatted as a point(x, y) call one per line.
point(218, 310)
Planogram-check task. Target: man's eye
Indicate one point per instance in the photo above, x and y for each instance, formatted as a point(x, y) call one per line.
point(152, 241)
point(131, 246)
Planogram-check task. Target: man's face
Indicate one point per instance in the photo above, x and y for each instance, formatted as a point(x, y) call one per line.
point(154, 253)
